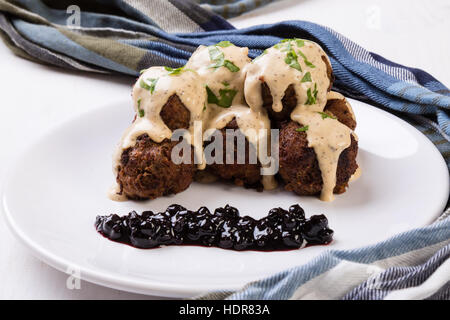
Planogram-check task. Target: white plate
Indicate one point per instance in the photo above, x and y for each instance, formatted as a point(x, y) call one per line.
point(59, 185)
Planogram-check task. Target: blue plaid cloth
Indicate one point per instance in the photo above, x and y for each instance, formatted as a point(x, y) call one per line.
point(125, 36)
point(411, 265)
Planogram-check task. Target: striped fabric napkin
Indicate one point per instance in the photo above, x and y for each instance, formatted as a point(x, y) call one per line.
point(412, 265)
point(125, 36)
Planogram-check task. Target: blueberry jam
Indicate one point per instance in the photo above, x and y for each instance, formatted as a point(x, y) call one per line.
point(279, 230)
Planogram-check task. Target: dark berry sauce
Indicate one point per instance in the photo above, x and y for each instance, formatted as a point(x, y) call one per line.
point(279, 230)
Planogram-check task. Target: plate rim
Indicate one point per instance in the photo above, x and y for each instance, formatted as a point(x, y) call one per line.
point(117, 281)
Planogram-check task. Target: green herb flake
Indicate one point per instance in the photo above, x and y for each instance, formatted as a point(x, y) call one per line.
point(218, 59)
point(326, 115)
point(300, 43)
point(226, 97)
point(144, 85)
point(291, 60)
point(140, 111)
point(309, 64)
point(286, 44)
point(216, 55)
point(231, 66)
point(312, 96)
point(278, 46)
point(302, 129)
point(307, 77)
point(142, 71)
point(224, 44)
point(212, 98)
point(174, 72)
point(150, 87)
point(287, 47)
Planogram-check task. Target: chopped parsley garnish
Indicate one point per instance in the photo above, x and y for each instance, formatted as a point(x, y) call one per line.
point(216, 55)
point(306, 77)
point(291, 57)
point(141, 112)
point(224, 44)
point(312, 96)
point(309, 64)
point(174, 72)
point(302, 129)
point(326, 115)
point(142, 71)
point(291, 60)
point(226, 97)
point(150, 87)
point(278, 46)
point(218, 59)
point(231, 66)
point(286, 45)
point(300, 42)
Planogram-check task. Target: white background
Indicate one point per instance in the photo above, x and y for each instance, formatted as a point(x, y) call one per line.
point(33, 98)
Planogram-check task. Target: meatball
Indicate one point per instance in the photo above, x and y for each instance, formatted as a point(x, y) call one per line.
point(247, 175)
point(146, 170)
point(299, 168)
point(289, 100)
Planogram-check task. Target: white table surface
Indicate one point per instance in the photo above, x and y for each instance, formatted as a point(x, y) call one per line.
point(33, 98)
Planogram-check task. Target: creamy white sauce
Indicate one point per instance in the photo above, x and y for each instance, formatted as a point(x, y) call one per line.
point(328, 137)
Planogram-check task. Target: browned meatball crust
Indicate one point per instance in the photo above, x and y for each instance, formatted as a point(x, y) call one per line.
point(339, 109)
point(329, 72)
point(146, 170)
point(299, 168)
point(174, 114)
point(247, 174)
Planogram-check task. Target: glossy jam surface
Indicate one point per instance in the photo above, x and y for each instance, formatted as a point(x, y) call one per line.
point(225, 228)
